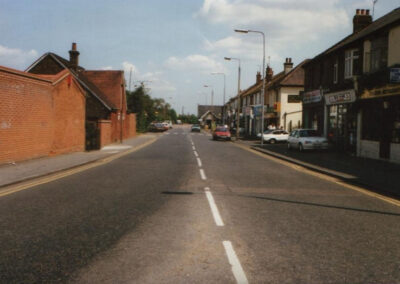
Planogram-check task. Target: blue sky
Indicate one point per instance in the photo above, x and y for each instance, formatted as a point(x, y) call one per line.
point(176, 44)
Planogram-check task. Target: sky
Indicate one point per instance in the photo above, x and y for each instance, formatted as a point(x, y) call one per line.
point(173, 46)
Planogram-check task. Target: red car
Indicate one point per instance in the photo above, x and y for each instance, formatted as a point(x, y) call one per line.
point(221, 132)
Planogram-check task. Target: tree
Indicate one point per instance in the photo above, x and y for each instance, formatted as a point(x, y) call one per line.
point(148, 110)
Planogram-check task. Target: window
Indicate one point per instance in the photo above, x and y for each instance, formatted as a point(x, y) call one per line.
point(350, 63)
point(294, 99)
point(335, 72)
point(379, 54)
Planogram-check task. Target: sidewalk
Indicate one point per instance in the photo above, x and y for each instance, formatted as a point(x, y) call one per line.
point(25, 170)
point(375, 175)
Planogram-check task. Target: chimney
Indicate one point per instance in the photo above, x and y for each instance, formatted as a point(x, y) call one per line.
point(74, 57)
point(269, 74)
point(258, 77)
point(361, 19)
point(288, 65)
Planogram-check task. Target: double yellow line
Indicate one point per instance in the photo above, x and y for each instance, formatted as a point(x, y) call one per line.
point(41, 180)
point(322, 176)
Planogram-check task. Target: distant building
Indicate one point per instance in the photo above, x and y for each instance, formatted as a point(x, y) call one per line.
point(208, 115)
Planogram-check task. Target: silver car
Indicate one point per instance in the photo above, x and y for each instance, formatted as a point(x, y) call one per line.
point(307, 139)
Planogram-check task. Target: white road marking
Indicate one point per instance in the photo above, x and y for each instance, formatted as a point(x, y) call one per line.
point(194, 148)
point(203, 175)
point(237, 269)
point(195, 153)
point(214, 209)
point(207, 188)
point(199, 162)
point(167, 133)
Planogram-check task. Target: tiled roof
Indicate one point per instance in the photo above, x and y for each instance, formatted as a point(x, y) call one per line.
point(110, 83)
point(202, 109)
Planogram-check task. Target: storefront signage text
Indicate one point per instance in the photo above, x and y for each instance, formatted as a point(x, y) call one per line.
point(312, 97)
point(395, 75)
point(342, 97)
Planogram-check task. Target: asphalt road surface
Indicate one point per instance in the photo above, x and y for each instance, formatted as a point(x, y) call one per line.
point(187, 209)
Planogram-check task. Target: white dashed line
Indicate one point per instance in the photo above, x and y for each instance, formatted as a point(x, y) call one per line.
point(214, 208)
point(202, 174)
point(195, 153)
point(194, 148)
point(199, 162)
point(237, 269)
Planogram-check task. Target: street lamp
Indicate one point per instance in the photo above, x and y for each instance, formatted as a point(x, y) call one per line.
point(223, 103)
point(263, 85)
point(238, 97)
point(212, 93)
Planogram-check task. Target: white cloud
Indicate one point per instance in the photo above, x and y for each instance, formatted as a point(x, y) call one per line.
point(195, 62)
point(16, 58)
point(152, 80)
point(284, 22)
point(107, 68)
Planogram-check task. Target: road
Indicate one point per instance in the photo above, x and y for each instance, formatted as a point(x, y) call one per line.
point(187, 209)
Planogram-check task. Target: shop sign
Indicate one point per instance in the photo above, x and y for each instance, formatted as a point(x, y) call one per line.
point(312, 97)
point(257, 110)
point(395, 75)
point(342, 97)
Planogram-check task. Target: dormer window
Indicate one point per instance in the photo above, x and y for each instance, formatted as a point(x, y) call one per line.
point(350, 63)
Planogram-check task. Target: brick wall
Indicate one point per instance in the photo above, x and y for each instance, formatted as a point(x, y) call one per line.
point(130, 126)
point(69, 118)
point(105, 132)
point(34, 122)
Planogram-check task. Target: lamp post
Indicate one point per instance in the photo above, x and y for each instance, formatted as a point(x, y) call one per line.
point(238, 97)
point(223, 103)
point(263, 85)
point(212, 93)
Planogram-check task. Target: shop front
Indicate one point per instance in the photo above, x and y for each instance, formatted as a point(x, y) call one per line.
point(342, 119)
point(313, 111)
point(380, 124)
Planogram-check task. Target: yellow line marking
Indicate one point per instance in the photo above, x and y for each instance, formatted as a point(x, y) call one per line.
point(322, 176)
point(52, 177)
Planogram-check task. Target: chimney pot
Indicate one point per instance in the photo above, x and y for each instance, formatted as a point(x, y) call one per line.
point(367, 12)
point(74, 46)
point(358, 12)
point(74, 57)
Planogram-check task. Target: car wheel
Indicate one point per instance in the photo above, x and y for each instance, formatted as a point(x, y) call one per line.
point(272, 141)
point(301, 148)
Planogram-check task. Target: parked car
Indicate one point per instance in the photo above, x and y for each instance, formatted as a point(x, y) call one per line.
point(195, 128)
point(221, 132)
point(169, 123)
point(274, 136)
point(265, 132)
point(157, 127)
point(307, 139)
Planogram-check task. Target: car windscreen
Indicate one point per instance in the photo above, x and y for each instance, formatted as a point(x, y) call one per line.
point(221, 129)
point(308, 133)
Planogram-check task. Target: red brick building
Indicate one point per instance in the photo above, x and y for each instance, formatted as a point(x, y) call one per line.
point(107, 120)
point(40, 115)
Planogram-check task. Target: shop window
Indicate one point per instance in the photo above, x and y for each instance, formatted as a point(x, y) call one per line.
point(371, 123)
point(351, 58)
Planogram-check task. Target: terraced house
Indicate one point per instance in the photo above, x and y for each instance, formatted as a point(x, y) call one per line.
point(352, 91)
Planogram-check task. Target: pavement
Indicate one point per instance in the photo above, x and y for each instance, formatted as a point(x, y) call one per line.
point(12, 173)
point(375, 175)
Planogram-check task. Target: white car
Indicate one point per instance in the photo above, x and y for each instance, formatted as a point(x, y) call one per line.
point(306, 139)
point(275, 136)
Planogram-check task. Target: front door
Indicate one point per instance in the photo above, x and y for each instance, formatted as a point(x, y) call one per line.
point(92, 136)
